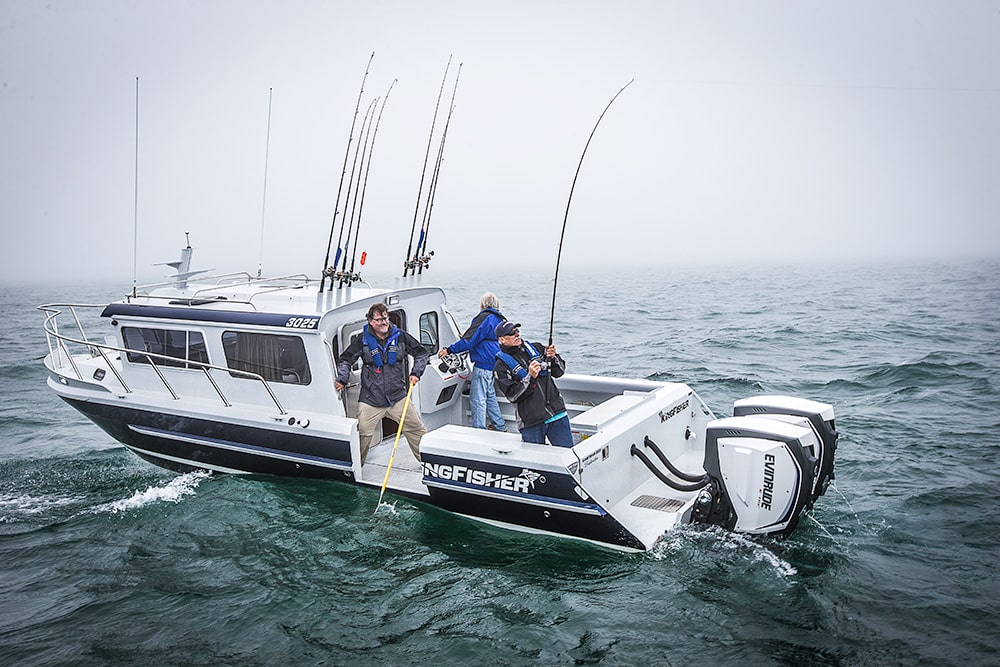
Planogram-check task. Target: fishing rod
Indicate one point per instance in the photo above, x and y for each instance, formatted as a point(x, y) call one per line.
point(562, 235)
point(263, 205)
point(347, 153)
point(364, 187)
point(359, 150)
point(423, 172)
point(432, 192)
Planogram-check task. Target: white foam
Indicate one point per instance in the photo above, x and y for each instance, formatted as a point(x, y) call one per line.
point(173, 491)
point(389, 506)
point(27, 504)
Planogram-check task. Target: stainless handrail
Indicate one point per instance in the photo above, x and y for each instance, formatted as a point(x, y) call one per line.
point(51, 329)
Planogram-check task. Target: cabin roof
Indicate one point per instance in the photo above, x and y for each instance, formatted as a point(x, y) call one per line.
point(288, 305)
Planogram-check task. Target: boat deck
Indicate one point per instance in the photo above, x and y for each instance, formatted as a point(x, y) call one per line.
point(406, 474)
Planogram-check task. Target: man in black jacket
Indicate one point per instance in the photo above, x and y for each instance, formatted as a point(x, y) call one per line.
point(382, 348)
point(524, 372)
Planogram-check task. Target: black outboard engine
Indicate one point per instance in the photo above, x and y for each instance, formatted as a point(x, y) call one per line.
point(767, 464)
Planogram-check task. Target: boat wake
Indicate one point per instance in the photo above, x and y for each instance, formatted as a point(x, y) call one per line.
point(173, 491)
point(680, 539)
point(17, 507)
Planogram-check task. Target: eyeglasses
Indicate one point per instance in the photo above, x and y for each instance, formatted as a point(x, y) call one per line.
point(380, 319)
point(515, 332)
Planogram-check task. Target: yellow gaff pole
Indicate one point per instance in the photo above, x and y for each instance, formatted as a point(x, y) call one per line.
point(399, 432)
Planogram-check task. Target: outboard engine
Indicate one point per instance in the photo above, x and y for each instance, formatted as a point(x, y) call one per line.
point(767, 464)
point(820, 420)
point(761, 474)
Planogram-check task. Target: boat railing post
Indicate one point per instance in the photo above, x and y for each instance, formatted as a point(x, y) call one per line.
point(274, 398)
point(79, 325)
point(218, 390)
point(162, 379)
point(64, 350)
point(121, 380)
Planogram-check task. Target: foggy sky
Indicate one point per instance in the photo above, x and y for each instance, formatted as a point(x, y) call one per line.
point(761, 131)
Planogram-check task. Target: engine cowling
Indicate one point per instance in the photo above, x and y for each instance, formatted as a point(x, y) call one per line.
point(767, 463)
point(818, 415)
point(761, 472)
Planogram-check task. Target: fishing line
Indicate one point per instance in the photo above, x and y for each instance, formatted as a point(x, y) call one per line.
point(263, 204)
point(562, 235)
point(423, 172)
point(347, 153)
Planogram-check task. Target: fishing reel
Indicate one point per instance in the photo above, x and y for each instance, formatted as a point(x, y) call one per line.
point(544, 365)
point(342, 277)
point(455, 363)
point(421, 262)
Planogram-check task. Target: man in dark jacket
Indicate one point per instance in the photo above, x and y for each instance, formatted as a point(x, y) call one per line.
point(382, 348)
point(524, 372)
point(481, 341)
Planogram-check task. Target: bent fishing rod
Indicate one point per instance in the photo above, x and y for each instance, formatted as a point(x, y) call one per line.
point(347, 154)
point(422, 260)
point(364, 186)
point(423, 172)
point(562, 235)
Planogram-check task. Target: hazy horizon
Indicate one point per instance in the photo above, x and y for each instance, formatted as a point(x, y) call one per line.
point(763, 133)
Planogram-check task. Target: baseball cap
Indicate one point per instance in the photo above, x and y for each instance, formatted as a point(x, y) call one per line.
point(506, 328)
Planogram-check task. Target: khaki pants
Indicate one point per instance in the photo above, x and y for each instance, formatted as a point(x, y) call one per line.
point(369, 416)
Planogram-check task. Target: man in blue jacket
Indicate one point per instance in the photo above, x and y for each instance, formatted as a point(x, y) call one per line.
point(481, 342)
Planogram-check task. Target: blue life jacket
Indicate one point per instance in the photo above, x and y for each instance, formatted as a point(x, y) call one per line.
point(515, 367)
point(376, 351)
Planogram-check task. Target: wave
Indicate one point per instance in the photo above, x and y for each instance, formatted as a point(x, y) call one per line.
point(16, 507)
point(172, 492)
point(740, 547)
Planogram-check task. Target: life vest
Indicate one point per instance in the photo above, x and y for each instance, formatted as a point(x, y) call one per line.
point(390, 349)
point(514, 365)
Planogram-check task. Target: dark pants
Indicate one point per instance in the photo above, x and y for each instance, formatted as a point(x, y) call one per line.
point(558, 433)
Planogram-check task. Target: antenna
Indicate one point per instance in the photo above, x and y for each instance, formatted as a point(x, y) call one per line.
point(263, 205)
point(135, 196)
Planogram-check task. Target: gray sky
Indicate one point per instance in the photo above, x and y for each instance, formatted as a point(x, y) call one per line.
point(766, 131)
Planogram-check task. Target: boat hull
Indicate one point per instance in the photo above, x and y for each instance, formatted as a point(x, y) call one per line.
point(187, 443)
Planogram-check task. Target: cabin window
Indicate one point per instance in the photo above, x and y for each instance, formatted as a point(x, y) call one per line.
point(429, 332)
point(349, 331)
point(276, 358)
point(179, 345)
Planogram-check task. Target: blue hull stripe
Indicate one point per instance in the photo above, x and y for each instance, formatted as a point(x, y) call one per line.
point(526, 498)
point(240, 447)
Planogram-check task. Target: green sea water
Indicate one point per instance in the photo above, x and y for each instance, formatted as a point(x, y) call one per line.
point(107, 560)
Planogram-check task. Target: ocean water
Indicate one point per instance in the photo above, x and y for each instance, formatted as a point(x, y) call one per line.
point(107, 560)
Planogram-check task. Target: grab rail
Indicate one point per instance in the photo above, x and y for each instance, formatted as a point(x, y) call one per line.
point(51, 328)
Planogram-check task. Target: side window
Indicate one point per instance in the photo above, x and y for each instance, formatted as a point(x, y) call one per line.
point(429, 332)
point(181, 346)
point(276, 358)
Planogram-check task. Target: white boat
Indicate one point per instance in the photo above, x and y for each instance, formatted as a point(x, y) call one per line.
point(235, 374)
